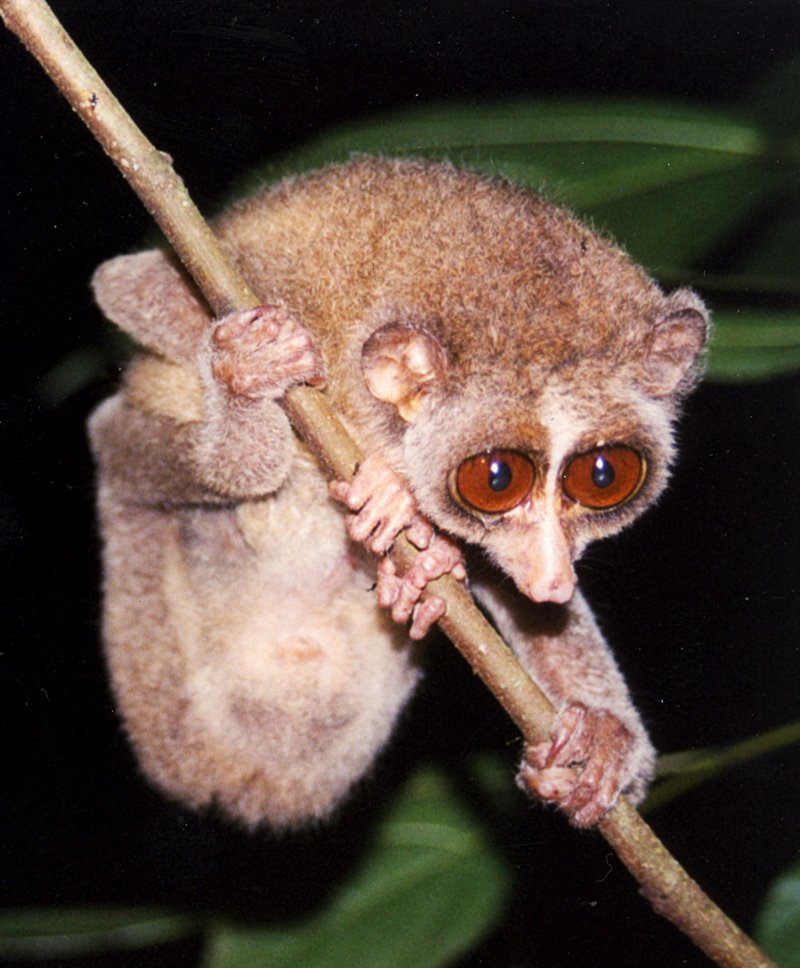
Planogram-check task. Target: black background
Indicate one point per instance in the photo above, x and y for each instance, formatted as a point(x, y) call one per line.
point(700, 598)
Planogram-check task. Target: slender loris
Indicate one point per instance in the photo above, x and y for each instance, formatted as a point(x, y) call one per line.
point(514, 379)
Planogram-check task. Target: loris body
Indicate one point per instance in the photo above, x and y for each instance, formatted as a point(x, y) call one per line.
point(517, 370)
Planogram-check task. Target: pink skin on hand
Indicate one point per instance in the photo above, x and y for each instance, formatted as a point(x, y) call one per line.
point(384, 506)
point(580, 768)
point(259, 353)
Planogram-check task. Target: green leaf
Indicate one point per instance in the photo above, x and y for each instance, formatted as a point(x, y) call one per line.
point(778, 921)
point(565, 134)
point(754, 345)
point(31, 934)
point(77, 369)
point(678, 223)
point(431, 886)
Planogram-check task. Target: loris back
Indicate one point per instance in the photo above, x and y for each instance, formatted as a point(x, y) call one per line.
point(519, 372)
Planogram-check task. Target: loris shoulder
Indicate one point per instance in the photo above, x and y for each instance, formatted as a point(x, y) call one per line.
point(516, 369)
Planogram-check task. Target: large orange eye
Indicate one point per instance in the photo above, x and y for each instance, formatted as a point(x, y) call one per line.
point(496, 481)
point(603, 478)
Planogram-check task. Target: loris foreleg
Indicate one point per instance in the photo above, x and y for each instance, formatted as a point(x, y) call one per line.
point(598, 746)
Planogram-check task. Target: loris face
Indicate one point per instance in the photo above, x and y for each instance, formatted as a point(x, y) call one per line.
point(536, 462)
point(534, 495)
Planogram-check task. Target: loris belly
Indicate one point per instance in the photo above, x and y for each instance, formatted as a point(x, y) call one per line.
point(518, 371)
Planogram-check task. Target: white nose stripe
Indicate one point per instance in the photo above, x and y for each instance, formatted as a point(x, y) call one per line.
point(551, 578)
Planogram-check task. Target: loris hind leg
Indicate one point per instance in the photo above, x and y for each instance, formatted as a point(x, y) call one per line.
point(384, 506)
point(276, 710)
point(308, 716)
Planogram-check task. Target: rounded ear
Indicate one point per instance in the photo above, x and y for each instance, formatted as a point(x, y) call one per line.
point(674, 344)
point(402, 363)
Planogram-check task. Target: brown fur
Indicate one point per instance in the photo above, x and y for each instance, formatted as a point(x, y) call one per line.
point(250, 662)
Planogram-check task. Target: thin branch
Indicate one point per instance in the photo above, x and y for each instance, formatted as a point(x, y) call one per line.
point(664, 882)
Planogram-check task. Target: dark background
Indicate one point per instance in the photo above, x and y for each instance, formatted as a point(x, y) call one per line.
point(700, 599)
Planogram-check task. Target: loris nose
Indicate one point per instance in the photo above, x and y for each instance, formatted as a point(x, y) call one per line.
point(557, 588)
point(550, 577)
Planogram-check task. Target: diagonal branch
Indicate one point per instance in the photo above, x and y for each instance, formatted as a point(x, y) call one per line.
point(664, 882)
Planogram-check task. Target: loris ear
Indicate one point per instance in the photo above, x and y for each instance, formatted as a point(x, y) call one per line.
point(677, 338)
point(149, 297)
point(402, 364)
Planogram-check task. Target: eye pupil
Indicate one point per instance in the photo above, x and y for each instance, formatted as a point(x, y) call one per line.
point(602, 472)
point(499, 475)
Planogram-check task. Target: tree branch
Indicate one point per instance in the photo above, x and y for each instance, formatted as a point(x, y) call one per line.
point(664, 882)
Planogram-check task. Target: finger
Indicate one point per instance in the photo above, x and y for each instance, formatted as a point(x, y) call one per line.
point(388, 585)
point(360, 526)
point(419, 532)
point(234, 325)
point(553, 784)
point(374, 478)
point(426, 614)
point(407, 598)
point(572, 737)
point(382, 537)
point(536, 755)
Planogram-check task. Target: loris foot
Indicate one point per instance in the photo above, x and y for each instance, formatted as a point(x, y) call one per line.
point(404, 595)
point(259, 353)
point(584, 766)
point(384, 507)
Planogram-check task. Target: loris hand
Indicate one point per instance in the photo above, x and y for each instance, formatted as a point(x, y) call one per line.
point(583, 768)
point(259, 353)
point(385, 507)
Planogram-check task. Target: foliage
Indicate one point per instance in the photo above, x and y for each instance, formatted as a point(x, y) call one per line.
point(778, 925)
point(431, 885)
point(36, 934)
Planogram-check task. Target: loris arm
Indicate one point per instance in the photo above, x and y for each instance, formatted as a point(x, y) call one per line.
point(197, 418)
point(599, 746)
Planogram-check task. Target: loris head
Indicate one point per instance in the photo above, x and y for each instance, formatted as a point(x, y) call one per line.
point(536, 461)
point(531, 406)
